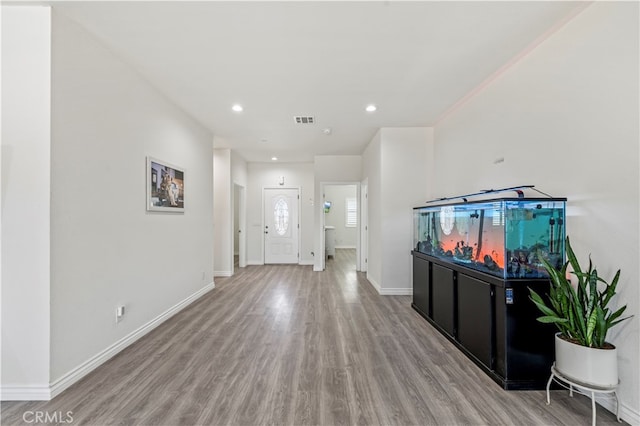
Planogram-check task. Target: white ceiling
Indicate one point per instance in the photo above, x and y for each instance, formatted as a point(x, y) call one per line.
point(414, 60)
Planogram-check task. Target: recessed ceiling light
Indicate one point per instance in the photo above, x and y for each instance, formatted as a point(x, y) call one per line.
point(371, 108)
point(237, 108)
point(274, 158)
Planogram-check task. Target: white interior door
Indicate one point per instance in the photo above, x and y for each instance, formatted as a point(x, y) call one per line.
point(281, 225)
point(364, 226)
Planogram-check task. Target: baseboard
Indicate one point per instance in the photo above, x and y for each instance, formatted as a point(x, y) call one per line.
point(345, 247)
point(374, 284)
point(395, 291)
point(306, 262)
point(91, 364)
point(255, 262)
point(390, 291)
point(627, 413)
point(25, 393)
point(222, 273)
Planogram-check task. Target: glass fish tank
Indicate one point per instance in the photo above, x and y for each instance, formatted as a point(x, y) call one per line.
point(505, 237)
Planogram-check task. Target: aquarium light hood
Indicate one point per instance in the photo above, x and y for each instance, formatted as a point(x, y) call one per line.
point(517, 189)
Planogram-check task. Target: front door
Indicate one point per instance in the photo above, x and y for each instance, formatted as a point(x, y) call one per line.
point(281, 225)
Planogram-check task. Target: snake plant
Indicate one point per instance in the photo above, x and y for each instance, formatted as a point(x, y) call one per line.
point(581, 313)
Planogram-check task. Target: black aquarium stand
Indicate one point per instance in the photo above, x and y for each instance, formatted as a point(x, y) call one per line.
point(491, 320)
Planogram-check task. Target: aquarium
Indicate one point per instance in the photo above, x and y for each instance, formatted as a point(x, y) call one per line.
point(505, 237)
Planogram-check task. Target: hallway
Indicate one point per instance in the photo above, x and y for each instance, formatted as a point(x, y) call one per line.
point(281, 344)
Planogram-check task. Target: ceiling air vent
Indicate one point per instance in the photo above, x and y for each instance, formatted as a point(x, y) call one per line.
point(303, 119)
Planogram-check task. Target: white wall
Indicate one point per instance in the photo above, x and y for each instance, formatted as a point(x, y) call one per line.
point(337, 168)
point(398, 164)
point(346, 237)
point(328, 169)
point(266, 175)
point(26, 183)
point(239, 182)
point(106, 249)
point(372, 172)
point(222, 213)
point(229, 170)
point(407, 162)
point(239, 173)
point(565, 118)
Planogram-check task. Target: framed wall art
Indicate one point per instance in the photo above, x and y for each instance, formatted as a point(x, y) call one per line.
point(165, 186)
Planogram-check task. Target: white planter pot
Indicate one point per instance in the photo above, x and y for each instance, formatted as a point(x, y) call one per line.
point(589, 366)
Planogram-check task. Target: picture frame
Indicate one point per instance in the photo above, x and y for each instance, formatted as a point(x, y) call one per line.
point(165, 186)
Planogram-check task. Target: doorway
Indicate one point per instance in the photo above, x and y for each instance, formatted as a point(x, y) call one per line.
point(341, 226)
point(239, 221)
point(364, 225)
point(281, 225)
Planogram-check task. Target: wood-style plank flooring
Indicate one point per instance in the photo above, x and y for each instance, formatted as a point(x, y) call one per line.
point(281, 344)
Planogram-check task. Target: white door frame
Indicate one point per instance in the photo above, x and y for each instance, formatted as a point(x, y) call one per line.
point(264, 254)
point(364, 225)
point(242, 225)
point(320, 211)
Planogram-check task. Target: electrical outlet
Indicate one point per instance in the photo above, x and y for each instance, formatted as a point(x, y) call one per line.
point(119, 313)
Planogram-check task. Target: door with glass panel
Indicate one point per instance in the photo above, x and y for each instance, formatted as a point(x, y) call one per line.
point(281, 225)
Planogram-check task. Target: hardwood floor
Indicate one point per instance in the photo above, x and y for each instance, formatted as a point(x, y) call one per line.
point(282, 344)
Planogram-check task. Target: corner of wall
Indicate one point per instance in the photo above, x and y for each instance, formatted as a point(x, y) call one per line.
point(374, 284)
point(26, 202)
